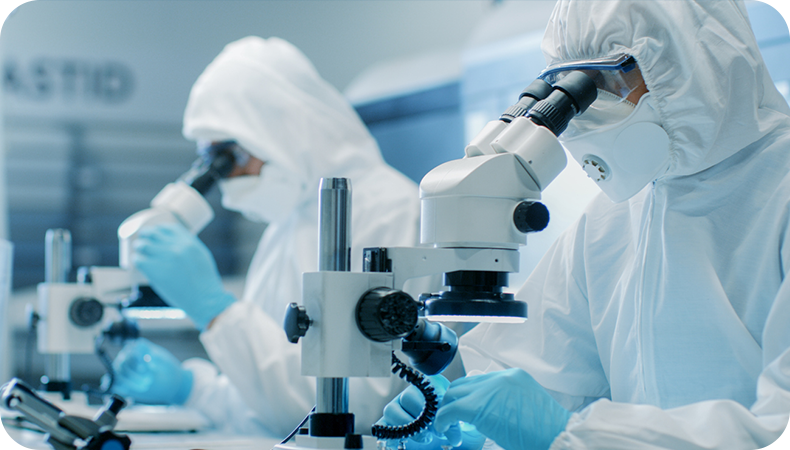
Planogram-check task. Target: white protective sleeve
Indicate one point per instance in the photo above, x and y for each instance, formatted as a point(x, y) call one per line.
point(558, 348)
point(719, 424)
point(215, 396)
point(253, 351)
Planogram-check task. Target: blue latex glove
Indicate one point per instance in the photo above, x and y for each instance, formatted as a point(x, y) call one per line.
point(409, 404)
point(509, 407)
point(150, 374)
point(182, 271)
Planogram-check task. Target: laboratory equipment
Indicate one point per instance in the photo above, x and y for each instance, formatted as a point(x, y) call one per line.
point(67, 432)
point(475, 213)
point(71, 316)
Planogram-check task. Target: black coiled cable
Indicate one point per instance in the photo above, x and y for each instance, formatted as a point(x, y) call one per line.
point(119, 332)
point(106, 361)
point(426, 416)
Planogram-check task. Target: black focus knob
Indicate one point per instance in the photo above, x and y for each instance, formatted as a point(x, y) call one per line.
point(86, 311)
point(384, 314)
point(296, 322)
point(531, 216)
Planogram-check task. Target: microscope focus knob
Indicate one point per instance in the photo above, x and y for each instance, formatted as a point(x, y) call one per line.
point(296, 322)
point(85, 312)
point(530, 216)
point(384, 314)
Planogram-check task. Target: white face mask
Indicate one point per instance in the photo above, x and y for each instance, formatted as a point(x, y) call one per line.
point(626, 155)
point(607, 109)
point(269, 197)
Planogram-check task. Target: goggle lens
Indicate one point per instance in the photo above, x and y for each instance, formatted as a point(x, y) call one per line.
point(208, 150)
point(615, 75)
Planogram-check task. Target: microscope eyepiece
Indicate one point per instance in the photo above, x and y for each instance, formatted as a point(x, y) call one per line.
point(216, 162)
point(535, 92)
point(570, 96)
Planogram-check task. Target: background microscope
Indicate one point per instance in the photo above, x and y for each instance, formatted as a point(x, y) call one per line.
point(80, 317)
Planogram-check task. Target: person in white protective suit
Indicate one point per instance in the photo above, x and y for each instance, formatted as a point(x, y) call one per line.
point(661, 318)
point(264, 95)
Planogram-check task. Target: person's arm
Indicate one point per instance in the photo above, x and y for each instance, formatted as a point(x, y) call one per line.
point(181, 270)
point(568, 374)
point(218, 399)
point(709, 424)
point(721, 424)
point(512, 409)
point(556, 345)
point(254, 353)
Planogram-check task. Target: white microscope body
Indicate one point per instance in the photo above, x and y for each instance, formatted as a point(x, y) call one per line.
point(475, 213)
point(463, 205)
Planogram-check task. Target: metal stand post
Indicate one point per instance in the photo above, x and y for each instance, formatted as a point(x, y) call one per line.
point(334, 254)
point(57, 267)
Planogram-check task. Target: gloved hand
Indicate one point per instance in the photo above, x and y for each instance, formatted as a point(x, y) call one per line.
point(182, 271)
point(509, 407)
point(150, 374)
point(409, 404)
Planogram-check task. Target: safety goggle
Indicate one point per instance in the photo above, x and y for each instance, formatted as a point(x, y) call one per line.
point(614, 74)
point(208, 150)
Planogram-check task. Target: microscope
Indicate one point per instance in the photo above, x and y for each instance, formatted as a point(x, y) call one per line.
point(74, 318)
point(475, 214)
point(67, 432)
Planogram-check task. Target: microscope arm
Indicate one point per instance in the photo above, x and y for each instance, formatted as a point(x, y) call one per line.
point(406, 263)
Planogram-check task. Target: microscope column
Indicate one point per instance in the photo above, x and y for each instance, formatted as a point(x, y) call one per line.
point(57, 268)
point(334, 254)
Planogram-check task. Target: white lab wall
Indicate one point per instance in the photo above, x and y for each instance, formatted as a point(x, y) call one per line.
point(166, 44)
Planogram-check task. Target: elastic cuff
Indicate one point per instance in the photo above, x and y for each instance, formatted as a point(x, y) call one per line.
point(563, 439)
point(209, 312)
point(184, 387)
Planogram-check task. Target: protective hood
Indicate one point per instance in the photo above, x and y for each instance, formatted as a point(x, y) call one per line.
point(699, 60)
point(266, 95)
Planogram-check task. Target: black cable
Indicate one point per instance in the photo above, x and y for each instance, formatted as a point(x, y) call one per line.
point(298, 427)
point(426, 416)
point(105, 360)
point(422, 422)
point(118, 332)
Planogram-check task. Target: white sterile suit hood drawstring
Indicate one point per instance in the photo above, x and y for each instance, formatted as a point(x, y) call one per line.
point(267, 96)
point(662, 321)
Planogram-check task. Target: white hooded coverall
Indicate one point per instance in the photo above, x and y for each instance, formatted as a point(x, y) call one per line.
point(664, 321)
point(267, 96)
